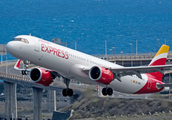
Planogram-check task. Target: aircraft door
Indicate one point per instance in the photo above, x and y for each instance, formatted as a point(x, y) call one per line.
point(36, 45)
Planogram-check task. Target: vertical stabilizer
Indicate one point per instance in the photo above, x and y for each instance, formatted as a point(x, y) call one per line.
point(159, 59)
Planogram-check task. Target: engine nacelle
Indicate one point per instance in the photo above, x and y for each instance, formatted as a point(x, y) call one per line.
point(41, 76)
point(101, 75)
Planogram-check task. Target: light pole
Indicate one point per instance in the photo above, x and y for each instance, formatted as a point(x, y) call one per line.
point(114, 50)
point(131, 48)
point(75, 44)
point(6, 65)
point(159, 42)
point(122, 57)
point(106, 48)
point(169, 87)
point(1, 59)
point(136, 47)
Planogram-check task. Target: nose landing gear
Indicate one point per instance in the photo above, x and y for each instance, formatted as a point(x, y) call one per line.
point(26, 64)
point(24, 72)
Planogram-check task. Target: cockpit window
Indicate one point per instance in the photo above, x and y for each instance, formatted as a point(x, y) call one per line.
point(22, 40)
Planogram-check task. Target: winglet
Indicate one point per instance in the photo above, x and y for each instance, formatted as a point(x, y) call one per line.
point(16, 66)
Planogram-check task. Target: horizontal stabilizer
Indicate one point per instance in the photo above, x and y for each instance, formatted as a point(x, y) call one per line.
point(165, 85)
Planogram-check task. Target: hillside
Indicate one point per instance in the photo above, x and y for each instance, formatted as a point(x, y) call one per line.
point(88, 106)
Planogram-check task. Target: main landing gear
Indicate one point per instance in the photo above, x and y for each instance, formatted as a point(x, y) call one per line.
point(67, 91)
point(107, 91)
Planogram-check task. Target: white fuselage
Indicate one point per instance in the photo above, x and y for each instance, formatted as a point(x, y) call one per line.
point(69, 63)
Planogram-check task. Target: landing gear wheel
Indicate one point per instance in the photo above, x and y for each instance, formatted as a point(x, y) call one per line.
point(24, 72)
point(109, 91)
point(67, 92)
point(104, 91)
point(64, 92)
point(70, 92)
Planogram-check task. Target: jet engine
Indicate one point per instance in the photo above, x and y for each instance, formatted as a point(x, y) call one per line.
point(41, 76)
point(101, 75)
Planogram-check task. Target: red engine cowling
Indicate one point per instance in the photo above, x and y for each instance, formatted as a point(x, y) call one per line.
point(101, 75)
point(41, 76)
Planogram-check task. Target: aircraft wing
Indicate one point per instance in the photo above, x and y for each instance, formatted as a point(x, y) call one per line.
point(140, 69)
point(123, 71)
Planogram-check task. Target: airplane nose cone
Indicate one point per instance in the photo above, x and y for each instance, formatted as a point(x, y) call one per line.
point(15, 49)
point(10, 47)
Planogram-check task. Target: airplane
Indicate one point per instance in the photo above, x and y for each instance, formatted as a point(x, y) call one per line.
point(59, 61)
